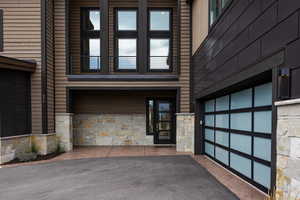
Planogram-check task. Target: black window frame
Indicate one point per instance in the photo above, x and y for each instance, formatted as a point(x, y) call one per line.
point(1, 31)
point(157, 34)
point(85, 35)
point(220, 11)
point(124, 34)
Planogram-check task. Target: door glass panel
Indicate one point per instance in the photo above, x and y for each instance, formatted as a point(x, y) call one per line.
point(209, 149)
point(209, 134)
point(240, 164)
point(222, 121)
point(164, 135)
point(222, 103)
point(263, 95)
point(210, 106)
point(222, 138)
point(262, 148)
point(164, 126)
point(241, 121)
point(262, 174)
point(241, 99)
point(222, 155)
point(163, 107)
point(165, 116)
point(263, 122)
point(210, 120)
point(151, 115)
point(241, 143)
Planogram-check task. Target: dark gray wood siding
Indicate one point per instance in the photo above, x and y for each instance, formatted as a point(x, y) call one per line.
point(249, 34)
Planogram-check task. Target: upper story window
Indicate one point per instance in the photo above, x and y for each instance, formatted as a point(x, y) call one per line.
point(91, 41)
point(216, 7)
point(126, 39)
point(1, 30)
point(160, 39)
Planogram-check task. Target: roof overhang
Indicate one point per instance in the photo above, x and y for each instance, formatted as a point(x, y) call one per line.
point(16, 64)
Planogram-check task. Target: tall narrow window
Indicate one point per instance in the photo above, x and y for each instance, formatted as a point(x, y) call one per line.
point(91, 42)
point(1, 30)
point(160, 54)
point(126, 40)
point(216, 8)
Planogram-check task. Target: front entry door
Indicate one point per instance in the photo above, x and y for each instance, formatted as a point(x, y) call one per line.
point(164, 122)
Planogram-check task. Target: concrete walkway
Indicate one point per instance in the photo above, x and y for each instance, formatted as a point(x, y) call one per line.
point(124, 178)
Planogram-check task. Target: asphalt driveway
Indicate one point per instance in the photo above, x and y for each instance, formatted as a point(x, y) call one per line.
point(135, 178)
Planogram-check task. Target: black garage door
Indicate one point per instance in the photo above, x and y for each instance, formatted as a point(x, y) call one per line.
point(237, 133)
point(15, 104)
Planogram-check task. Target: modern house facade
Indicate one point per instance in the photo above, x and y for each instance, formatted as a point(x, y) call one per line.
point(212, 77)
point(106, 73)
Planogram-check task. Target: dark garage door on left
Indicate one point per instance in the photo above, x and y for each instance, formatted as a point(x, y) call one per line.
point(15, 103)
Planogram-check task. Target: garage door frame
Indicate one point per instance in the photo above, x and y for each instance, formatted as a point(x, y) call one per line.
point(262, 78)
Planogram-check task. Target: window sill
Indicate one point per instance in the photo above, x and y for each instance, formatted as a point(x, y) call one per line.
point(123, 77)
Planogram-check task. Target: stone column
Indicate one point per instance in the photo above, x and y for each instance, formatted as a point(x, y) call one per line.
point(185, 132)
point(64, 130)
point(288, 150)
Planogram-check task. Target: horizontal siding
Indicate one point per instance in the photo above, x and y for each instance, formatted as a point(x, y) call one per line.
point(22, 40)
point(60, 56)
point(50, 66)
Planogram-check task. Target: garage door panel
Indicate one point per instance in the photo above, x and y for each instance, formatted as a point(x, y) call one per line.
point(237, 133)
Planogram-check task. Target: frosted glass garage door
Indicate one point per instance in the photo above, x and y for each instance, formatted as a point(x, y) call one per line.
point(237, 133)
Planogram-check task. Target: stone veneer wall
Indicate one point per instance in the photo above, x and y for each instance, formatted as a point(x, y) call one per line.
point(45, 144)
point(288, 150)
point(18, 146)
point(64, 130)
point(14, 147)
point(185, 132)
point(110, 129)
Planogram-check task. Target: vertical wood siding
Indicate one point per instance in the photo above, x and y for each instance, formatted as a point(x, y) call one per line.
point(61, 81)
point(22, 39)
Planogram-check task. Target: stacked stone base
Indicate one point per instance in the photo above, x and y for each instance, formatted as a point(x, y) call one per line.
point(110, 129)
point(185, 137)
point(18, 147)
point(288, 150)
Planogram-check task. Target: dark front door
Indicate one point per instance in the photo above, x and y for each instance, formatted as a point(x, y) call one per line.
point(164, 122)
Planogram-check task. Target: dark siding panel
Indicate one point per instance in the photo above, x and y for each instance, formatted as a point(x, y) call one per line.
point(249, 35)
point(281, 35)
point(286, 7)
point(292, 54)
point(295, 89)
